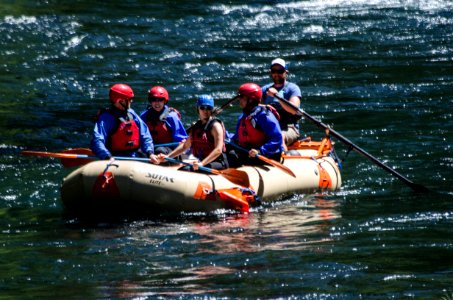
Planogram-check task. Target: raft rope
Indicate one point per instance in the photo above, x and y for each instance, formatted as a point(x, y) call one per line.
point(108, 175)
point(256, 199)
point(336, 158)
point(341, 160)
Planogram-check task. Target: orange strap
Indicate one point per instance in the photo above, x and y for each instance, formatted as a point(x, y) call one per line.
point(324, 178)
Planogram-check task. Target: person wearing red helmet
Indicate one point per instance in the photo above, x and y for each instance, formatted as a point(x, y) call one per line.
point(164, 122)
point(206, 139)
point(119, 131)
point(289, 123)
point(257, 128)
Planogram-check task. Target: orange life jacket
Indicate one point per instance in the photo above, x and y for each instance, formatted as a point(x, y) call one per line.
point(248, 135)
point(127, 135)
point(158, 126)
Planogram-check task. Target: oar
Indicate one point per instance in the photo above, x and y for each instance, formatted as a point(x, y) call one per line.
point(166, 144)
point(75, 154)
point(236, 176)
point(266, 160)
point(415, 186)
point(218, 110)
point(82, 160)
point(70, 163)
point(233, 175)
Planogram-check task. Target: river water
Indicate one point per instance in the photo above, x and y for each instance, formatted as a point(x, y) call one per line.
point(379, 72)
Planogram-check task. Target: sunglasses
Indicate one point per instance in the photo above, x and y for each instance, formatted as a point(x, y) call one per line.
point(156, 99)
point(205, 107)
point(278, 71)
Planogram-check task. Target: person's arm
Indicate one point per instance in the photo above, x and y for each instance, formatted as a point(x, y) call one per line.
point(146, 140)
point(294, 96)
point(101, 131)
point(177, 128)
point(180, 149)
point(144, 115)
point(274, 139)
point(293, 91)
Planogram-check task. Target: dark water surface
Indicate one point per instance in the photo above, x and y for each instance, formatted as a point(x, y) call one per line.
point(380, 72)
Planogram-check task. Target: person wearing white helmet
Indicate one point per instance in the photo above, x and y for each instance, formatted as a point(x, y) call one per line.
point(119, 131)
point(287, 90)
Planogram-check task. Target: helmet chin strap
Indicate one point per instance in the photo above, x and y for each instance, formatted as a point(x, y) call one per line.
point(124, 106)
point(128, 104)
point(120, 104)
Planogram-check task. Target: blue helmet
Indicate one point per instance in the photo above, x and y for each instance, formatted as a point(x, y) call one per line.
point(205, 100)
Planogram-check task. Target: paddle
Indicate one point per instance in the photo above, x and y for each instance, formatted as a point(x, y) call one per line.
point(265, 159)
point(77, 154)
point(70, 163)
point(236, 176)
point(80, 156)
point(415, 186)
point(166, 144)
point(218, 110)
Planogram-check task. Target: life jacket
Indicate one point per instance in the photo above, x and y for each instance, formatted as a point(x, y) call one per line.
point(202, 139)
point(157, 125)
point(126, 136)
point(249, 135)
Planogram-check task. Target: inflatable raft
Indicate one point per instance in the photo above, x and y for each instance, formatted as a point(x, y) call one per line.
point(133, 186)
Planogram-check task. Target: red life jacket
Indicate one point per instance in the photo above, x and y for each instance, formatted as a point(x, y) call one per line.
point(202, 139)
point(248, 135)
point(158, 126)
point(127, 135)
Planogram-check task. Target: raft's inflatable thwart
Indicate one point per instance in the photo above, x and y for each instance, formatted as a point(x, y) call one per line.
point(148, 188)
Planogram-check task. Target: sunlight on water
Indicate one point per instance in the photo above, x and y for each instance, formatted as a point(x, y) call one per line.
point(378, 72)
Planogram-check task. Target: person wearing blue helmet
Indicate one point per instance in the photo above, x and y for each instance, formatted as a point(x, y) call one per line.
point(206, 138)
point(289, 123)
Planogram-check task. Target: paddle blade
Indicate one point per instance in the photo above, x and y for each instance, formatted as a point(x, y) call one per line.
point(277, 165)
point(69, 158)
point(77, 162)
point(50, 154)
point(236, 176)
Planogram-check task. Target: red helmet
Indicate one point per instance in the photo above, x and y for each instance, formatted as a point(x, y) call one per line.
point(120, 92)
point(252, 91)
point(158, 92)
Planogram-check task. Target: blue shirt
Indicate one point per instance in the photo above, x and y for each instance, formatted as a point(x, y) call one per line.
point(105, 127)
point(286, 91)
point(267, 123)
point(172, 121)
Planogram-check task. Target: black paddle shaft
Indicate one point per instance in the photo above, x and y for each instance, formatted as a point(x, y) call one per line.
point(416, 187)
